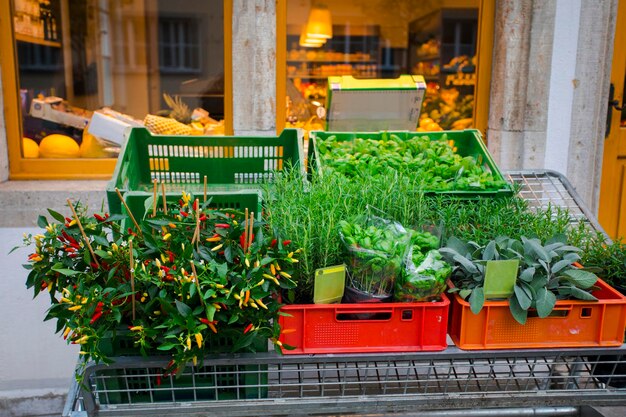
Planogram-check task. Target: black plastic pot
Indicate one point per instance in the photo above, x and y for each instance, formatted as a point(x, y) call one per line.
point(352, 295)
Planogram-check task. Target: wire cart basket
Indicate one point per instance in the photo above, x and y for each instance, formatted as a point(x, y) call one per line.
point(453, 382)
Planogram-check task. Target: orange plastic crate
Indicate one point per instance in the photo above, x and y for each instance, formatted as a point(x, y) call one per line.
point(363, 328)
point(573, 323)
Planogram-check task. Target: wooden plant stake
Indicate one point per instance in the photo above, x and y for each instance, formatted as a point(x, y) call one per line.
point(245, 243)
point(251, 229)
point(164, 199)
point(195, 275)
point(205, 188)
point(82, 231)
point(132, 274)
point(130, 214)
point(154, 197)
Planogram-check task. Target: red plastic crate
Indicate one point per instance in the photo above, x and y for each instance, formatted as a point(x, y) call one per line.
point(362, 328)
point(573, 323)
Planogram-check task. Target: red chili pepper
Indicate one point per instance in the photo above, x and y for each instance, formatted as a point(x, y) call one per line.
point(242, 240)
point(204, 321)
point(222, 226)
point(95, 317)
point(171, 256)
point(247, 329)
point(75, 245)
point(203, 217)
point(184, 213)
point(274, 241)
point(286, 242)
point(68, 237)
point(130, 232)
point(99, 217)
point(44, 285)
point(158, 380)
point(195, 205)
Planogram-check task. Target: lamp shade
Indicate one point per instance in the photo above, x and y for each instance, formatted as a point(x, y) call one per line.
point(320, 24)
point(310, 42)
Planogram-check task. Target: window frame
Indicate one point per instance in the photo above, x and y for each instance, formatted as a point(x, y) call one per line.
point(21, 168)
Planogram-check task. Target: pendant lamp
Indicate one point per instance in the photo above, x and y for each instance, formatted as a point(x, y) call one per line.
point(320, 24)
point(310, 42)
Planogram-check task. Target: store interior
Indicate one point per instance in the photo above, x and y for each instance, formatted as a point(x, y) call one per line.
point(384, 39)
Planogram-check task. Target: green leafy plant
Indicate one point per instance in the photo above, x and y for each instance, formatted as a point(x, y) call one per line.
point(434, 162)
point(547, 272)
point(183, 283)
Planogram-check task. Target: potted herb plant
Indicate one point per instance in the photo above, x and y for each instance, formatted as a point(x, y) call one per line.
point(564, 303)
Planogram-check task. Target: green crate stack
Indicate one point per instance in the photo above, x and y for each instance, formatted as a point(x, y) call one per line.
point(467, 142)
point(229, 163)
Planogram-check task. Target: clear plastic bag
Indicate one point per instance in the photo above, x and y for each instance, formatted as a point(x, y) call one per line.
point(374, 249)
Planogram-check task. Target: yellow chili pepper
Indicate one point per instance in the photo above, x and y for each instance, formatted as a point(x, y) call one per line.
point(286, 275)
point(290, 254)
point(257, 264)
point(157, 262)
point(260, 303)
point(188, 342)
point(198, 339)
point(114, 247)
point(66, 332)
point(82, 340)
point(75, 308)
point(260, 282)
point(214, 239)
point(195, 361)
point(277, 266)
point(172, 226)
point(218, 247)
point(65, 300)
point(167, 236)
point(136, 328)
point(219, 285)
point(237, 296)
point(272, 269)
point(253, 304)
point(247, 262)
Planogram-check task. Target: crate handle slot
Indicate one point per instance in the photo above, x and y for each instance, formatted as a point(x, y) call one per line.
point(558, 312)
point(363, 315)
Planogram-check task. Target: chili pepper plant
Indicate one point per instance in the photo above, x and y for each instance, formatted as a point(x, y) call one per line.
point(180, 283)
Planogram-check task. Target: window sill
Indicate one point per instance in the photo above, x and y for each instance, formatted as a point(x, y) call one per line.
point(24, 201)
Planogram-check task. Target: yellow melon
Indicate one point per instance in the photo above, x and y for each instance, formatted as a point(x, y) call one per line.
point(30, 148)
point(90, 147)
point(58, 146)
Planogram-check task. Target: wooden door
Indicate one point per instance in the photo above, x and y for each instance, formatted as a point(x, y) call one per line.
point(612, 213)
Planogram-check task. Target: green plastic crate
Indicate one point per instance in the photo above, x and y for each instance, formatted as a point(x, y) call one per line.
point(181, 163)
point(139, 384)
point(468, 143)
point(219, 200)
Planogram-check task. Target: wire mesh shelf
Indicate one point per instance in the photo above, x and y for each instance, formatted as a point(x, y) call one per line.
point(317, 384)
point(543, 189)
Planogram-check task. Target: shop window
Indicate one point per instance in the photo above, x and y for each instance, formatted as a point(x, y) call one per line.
point(81, 65)
point(385, 39)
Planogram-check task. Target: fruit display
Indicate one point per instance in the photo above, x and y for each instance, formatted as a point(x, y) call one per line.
point(179, 119)
point(448, 108)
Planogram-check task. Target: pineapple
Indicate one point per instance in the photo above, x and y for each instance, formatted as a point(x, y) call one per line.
point(174, 121)
point(179, 110)
point(166, 126)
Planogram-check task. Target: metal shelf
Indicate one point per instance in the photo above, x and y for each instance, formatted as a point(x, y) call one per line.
point(563, 380)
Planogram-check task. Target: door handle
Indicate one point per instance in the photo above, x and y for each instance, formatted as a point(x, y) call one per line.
point(613, 105)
